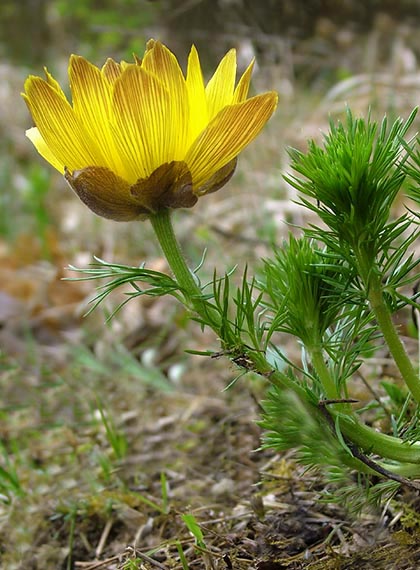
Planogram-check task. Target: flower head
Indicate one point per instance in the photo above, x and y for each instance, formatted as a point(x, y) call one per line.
point(141, 136)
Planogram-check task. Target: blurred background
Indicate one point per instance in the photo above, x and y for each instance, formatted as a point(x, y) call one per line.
point(56, 364)
point(319, 55)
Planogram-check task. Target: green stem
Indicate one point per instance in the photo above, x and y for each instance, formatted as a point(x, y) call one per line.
point(372, 441)
point(395, 345)
point(365, 437)
point(372, 281)
point(324, 375)
point(402, 469)
point(361, 435)
point(162, 225)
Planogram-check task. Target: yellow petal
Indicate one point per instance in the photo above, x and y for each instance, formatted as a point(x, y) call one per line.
point(92, 94)
point(54, 84)
point(241, 90)
point(36, 139)
point(196, 96)
point(145, 128)
point(161, 62)
point(64, 135)
point(111, 70)
point(219, 90)
point(149, 45)
point(229, 132)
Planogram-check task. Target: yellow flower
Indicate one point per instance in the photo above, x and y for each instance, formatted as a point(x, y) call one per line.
point(140, 137)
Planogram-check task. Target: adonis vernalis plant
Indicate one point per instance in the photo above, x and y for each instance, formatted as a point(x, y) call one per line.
point(142, 139)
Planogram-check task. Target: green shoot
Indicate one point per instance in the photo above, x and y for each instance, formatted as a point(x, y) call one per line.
point(163, 507)
point(116, 438)
point(194, 528)
point(181, 555)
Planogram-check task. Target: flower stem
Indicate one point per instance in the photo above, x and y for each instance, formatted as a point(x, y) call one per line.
point(162, 225)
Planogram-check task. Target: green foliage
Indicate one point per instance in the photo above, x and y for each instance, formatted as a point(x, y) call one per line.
point(7, 201)
point(181, 555)
point(36, 202)
point(357, 493)
point(290, 422)
point(239, 326)
point(115, 437)
point(304, 284)
point(338, 299)
point(163, 506)
point(117, 274)
point(27, 205)
point(123, 363)
point(354, 180)
point(412, 169)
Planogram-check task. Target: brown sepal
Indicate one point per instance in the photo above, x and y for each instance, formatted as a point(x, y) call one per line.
point(169, 186)
point(106, 194)
point(112, 197)
point(218, 180)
